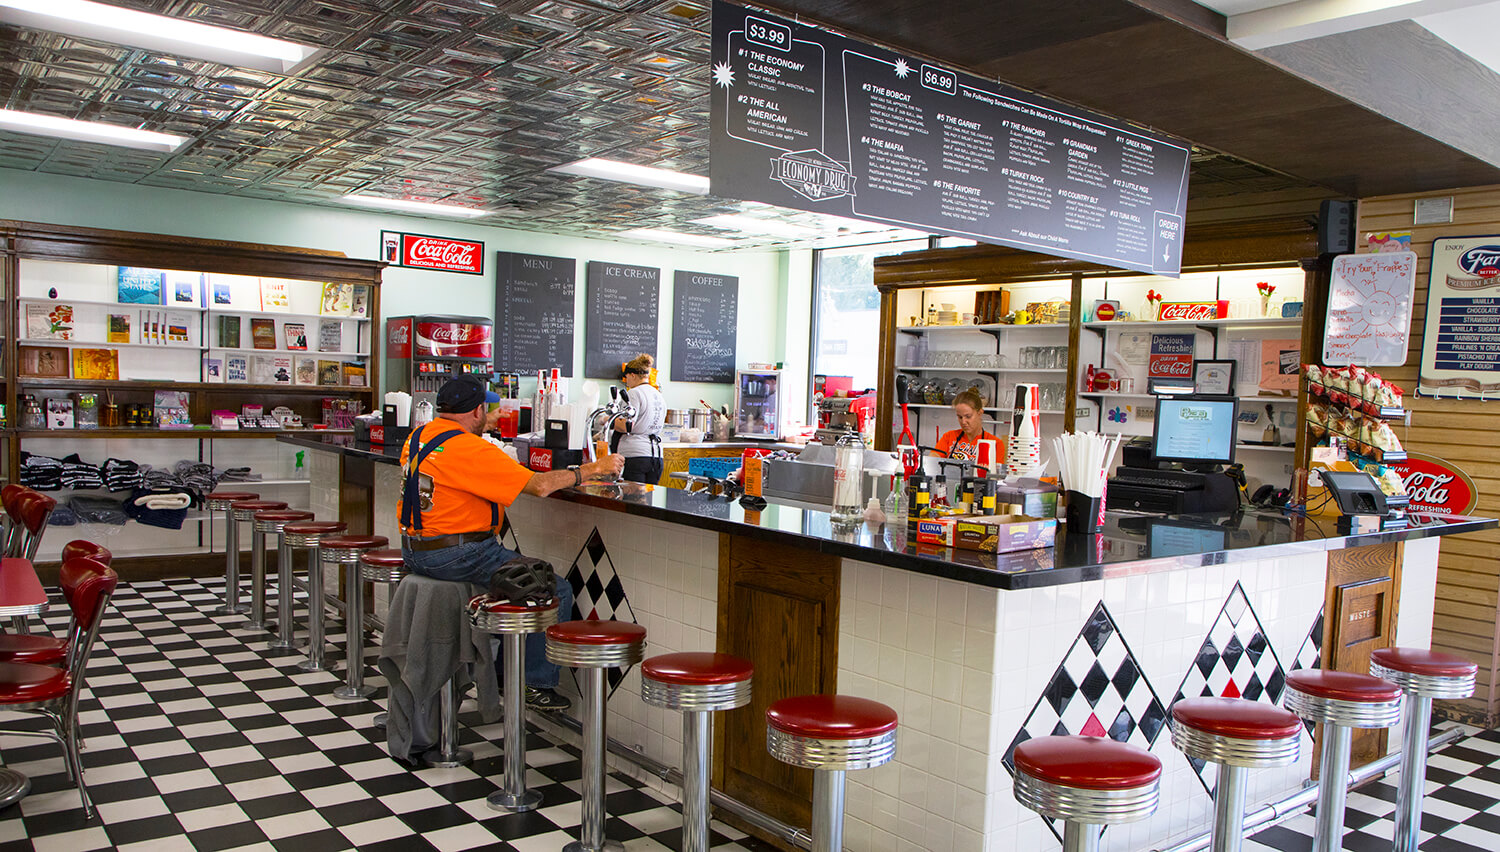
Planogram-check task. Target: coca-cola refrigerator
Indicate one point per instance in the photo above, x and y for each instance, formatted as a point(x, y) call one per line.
point(422, 352)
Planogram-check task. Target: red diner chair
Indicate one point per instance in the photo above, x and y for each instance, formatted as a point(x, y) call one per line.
point(53, 691)
point(32, 511)
point(40, 648)
point(10, 499)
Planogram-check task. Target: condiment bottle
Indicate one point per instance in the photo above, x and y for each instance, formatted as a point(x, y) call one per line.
point(921, 499)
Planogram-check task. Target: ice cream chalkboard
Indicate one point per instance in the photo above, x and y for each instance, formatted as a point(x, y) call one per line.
point(806, 119)
point(534, 309)
point(705, 316)
point(620, 313)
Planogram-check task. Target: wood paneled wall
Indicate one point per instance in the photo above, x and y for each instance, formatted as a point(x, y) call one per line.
point(1466, 433)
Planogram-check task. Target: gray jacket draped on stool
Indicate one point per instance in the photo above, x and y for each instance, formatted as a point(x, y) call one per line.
point(427, 639)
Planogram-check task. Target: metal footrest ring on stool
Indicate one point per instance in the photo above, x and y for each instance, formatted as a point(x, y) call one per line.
point(512, 622)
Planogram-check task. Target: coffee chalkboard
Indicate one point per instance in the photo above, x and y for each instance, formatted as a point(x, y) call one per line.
point(705, 316)
point(619, 316)
point(534, 307)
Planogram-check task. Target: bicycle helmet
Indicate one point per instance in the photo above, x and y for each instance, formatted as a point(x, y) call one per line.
point(523, 580)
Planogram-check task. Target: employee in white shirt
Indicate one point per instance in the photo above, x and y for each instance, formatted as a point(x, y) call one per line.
point(639, 439)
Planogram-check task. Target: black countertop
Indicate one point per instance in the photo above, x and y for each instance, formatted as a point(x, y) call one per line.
point(1131, 543)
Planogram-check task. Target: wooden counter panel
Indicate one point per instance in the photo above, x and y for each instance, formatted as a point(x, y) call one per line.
point(779, 609)
point(1364, 585)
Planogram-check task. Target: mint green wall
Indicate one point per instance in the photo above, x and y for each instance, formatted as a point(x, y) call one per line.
point(765, 302)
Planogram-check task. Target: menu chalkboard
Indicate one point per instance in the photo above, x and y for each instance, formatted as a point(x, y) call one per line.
point(807, 119)
point(705, 318)
point(619, 316)
point(534, 307)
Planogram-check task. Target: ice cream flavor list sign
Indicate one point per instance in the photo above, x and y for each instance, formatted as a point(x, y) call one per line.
point(806, 119)
point(1461, 337)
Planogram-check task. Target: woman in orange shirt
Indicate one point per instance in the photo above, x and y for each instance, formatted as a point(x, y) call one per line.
point(963, 442)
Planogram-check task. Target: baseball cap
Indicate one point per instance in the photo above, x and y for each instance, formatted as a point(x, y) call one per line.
point(462, 394)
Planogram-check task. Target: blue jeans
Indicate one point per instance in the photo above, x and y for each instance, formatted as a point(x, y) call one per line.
point(476, 562)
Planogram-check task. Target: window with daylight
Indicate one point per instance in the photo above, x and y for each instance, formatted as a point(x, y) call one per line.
point(846, 310)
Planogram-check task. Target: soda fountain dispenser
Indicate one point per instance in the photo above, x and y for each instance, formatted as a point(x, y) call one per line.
point(422, 352)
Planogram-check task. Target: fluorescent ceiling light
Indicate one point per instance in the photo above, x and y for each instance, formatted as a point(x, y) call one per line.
point(680, 239)
point(631, 173)
point(102, 22)
point(88, 131)
point(413, 206)
point(756, 225)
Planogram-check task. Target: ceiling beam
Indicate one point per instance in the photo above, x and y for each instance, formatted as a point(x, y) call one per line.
point(1306, 19)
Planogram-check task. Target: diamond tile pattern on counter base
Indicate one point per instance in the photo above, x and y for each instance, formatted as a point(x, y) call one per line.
point(195, 739)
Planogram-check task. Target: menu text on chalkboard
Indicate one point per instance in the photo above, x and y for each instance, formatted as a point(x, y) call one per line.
point(806, 119)
point(534, 297)
point(705, 318)
point(620, 316)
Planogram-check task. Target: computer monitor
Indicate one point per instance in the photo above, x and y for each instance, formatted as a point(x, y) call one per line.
point(1195, 429)
point(1180, 538)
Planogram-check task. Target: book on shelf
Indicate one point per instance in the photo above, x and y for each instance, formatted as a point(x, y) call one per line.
point(177, 327)
point(213, 369)
point(354, 374)
point(138, 286)
point(185, 288)
point(50, 321)
point(360, 308)
point(306, 372)
point(222, 295)
point(236, 369)
point(117, 329)
point(270, 370)
point(100, 365)
point(274, 295)
point(44, 362)
point(59, 413)
point(263, 332)
point(338, 300)
point(229, 331)
point(330, 336)
point(330, 373)
point(295, 334)
point(153, 327)
point(172, 410)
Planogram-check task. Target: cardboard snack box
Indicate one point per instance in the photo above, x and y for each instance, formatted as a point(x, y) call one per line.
point(989, 533)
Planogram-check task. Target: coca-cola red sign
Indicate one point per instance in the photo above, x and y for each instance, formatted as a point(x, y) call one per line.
point(1194, 311)
point(1435, 486)
point(455, 339)
point(424, 252)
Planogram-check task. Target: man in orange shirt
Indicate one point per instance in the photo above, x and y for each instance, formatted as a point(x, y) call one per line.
point(452, 504)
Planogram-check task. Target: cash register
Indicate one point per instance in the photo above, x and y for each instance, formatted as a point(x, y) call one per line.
point(1182, 470)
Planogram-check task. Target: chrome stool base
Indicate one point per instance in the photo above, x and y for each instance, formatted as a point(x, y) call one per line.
point(311, 666)
point(438, 759)
point(448, 753)
point(606, 846)
point(226, 609)
point(503, 801)
point(344, 692)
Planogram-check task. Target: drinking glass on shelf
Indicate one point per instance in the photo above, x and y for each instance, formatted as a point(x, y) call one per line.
point(1061, 360)
point(1028, 357)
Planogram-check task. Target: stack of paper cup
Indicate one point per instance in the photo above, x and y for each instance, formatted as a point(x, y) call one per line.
point(1023, 452)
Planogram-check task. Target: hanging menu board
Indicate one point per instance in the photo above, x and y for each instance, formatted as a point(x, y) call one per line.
point(619, 316)
point(1369, 309)
point(806, 119)
point(705, 318)
point(1461, 338)
point(534, 307)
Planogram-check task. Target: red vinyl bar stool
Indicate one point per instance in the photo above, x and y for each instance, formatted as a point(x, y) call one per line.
point(305, 534)
point(831, 734)
point(512, 622)
point(245, 511)
point(696, 684)
point(592, 646)
point(375, 566)
point(1341, 701)
point(1087, 782)
point(273, 523)
point(1423, 675)
point(309, 536)
point(220, 501)
point(1238, 735)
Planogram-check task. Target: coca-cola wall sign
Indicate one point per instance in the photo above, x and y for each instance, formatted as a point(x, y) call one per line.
point(1435, 486)
point(423, 251)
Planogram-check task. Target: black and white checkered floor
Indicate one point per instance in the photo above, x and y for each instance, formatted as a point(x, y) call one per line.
point(197, 740)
